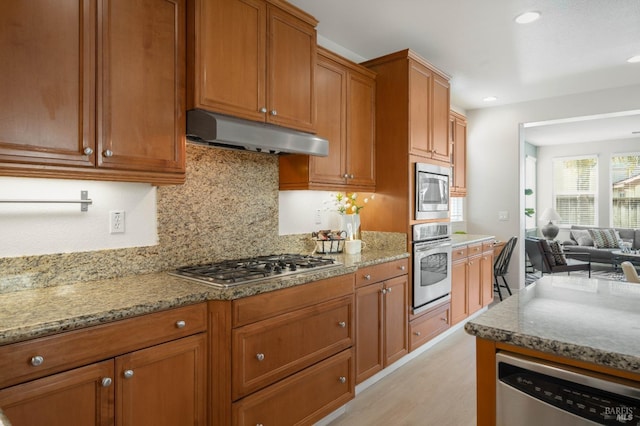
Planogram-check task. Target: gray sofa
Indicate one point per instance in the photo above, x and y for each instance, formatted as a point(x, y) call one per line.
point(578, 244)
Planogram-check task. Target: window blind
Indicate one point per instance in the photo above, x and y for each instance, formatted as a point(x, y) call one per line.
point(625, 191)
point(575, 188)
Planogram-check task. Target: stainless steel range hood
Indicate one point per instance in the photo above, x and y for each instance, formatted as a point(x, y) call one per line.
point(212, 129)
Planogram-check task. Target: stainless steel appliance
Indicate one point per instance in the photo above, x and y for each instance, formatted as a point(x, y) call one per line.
point(431, 265)
point(432, 191)
point(230, 273)
point(532, 392)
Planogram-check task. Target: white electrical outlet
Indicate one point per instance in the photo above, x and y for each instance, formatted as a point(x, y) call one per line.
point(318, 218)
point(116, 221)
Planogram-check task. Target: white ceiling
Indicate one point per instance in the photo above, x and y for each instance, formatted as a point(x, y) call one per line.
point(576, 46)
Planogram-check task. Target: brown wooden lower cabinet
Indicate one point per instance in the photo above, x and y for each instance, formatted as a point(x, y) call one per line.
point(382, 319)
point(77, 397)
point(159, 383)
point(429, 325)
point(302, 398)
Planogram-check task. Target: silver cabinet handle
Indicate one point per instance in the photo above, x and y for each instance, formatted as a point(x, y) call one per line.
point(107, 153)
point(88, 151)
point(263, 110)
point(383, 291)
point(342, 324)
point(106, 382)
point(342, 379)
point(367, 277)
point(260, 357)
point(37, 360)
point(417, 333)
point(351, 176)
point(402, 267)
point(181, 324)
point(274, 112)
point(443, 319)
point(346, 176)
point(128, 374)
point(388, 290)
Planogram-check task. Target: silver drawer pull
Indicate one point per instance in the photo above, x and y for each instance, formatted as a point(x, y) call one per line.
point(388, 290)
point(106, 382)
point(260, 357)
point(37, 360)
point(342, 324)
point(443, 319)
point(367, 277)
point(128, 374)
point(383, 291)
point(181, 324)
point(88, 150)
point(108, 153)
point(417, 333)
point(342, 379)
point(402, 268)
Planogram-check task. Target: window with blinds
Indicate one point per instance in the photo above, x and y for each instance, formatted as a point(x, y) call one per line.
point(575, 189)
point(625, 191)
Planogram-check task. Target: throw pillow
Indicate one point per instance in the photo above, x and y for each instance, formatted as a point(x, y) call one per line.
point(604, 238)
point(558, 254)
point(582, 237)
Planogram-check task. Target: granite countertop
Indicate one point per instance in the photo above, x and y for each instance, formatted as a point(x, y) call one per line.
point(37, 312)
point(461, 239)
point(590, 320)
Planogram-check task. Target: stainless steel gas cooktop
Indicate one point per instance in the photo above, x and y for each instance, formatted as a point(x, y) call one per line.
point(230, 273)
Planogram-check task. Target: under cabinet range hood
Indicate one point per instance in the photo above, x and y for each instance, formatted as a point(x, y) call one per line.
point(222, 131)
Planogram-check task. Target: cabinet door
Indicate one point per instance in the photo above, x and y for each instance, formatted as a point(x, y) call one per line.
point(361, 130)
point(163, 385)
point(369, 323)
point(230, 57)
point(474, 283)
point(459, 130)
point(486, 277)
point(331, 94)
point(459, 293)
point(440, 146)
point(291, 63)
point(47, 82)
point(76, 397)
point(396, 319)
point(420, 78)
point(141, 123)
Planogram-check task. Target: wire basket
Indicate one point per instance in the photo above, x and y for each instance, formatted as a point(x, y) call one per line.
point(329, 246)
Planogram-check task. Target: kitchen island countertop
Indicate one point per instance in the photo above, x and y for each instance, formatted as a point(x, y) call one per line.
point(37, 312)
point(596, 321)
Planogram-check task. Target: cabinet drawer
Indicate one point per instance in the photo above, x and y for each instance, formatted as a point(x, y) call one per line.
point(79, 347)
point(429, 326)
point(459, 252)
point(267, 305)
point(275, 348)
point(381, 272)
point(487, 246)
point(474, 249)
point(303, 398)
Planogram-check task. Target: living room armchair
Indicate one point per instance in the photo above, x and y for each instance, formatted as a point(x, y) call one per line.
point(548, 261)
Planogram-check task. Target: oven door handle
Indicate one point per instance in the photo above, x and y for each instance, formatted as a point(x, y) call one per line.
point(418, 248)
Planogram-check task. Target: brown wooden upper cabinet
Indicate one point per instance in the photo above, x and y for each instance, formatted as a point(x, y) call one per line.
point(253, 59)
point(427, 93)
point(93, 89)
point(458, 134)
point(346, 118)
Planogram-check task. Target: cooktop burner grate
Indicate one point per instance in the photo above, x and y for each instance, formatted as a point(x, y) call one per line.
point(230, 273)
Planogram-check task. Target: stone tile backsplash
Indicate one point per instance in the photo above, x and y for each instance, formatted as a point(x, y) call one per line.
point(227, 208)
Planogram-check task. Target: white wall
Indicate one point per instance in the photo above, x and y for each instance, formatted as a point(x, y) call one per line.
point(36, 229)
point(495, 158)
point(603, 150)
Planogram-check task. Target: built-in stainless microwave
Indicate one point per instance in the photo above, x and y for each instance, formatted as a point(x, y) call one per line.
point(432, 191)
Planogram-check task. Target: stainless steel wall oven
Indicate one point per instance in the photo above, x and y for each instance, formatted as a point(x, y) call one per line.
point(431, 265)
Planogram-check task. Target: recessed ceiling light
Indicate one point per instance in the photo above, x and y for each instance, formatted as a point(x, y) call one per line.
point(634, 59)
point(490, 99)
point(527, 17)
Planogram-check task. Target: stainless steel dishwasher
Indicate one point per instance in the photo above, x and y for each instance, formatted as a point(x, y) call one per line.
point(531, 392)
